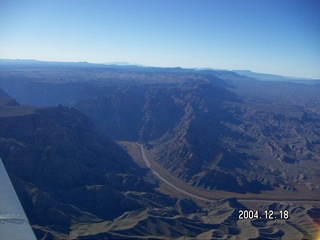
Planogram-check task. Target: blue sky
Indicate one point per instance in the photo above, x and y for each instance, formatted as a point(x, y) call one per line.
point(278, 37)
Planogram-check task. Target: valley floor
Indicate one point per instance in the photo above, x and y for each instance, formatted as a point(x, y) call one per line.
point(303, 209)
point(175, 187)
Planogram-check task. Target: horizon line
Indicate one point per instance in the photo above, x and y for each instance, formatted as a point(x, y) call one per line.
point(125, 63)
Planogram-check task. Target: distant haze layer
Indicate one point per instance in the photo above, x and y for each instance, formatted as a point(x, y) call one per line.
point(278, 37)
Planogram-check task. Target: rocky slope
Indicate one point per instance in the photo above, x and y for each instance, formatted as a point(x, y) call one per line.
point(236, 134)
point(215, 136)
point(75, 183)
point(63, 170)
point(207, 127)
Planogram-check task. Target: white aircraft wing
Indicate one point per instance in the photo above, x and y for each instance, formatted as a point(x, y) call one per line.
point(14, 223)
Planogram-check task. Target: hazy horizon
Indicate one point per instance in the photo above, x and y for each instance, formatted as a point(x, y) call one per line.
point(124, 63)
point(274, 37)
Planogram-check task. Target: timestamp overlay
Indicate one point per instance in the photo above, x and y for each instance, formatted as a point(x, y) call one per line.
point(267, 214)
point(282, 220)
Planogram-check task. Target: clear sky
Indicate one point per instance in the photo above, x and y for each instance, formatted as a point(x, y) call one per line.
point(278, 37)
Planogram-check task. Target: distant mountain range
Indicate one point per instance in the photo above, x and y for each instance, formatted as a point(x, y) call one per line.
point(248, 73)
point(273, 77)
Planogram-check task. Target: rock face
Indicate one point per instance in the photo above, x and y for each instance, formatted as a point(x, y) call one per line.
point(238, 135)
point(63, 170)
point(58, 140)
point(6, 100)
point(201, 124)
point(216, 135)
